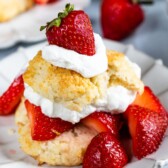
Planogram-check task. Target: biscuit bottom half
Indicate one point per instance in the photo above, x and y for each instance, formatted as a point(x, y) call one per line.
point(65, 150)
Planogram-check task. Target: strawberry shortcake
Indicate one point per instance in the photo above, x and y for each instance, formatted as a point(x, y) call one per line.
point(11, 8)
point(77, 98)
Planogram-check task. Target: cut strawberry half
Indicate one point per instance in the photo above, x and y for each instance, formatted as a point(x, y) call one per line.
point(105, 151)
point(149, 100)
point(11, 98)
point(147, 129)
point(43, 127)
point(103, 122)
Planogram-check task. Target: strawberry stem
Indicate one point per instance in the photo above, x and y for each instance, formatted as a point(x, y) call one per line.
point(57, 21)
point(142, 1)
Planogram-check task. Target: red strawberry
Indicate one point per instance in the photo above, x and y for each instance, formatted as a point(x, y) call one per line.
point(105, 151)
point(42, 2)
point(43, 127)
point(149, 100)
point(120, 18)
point(103, 122)
point(11, 98)
point(147, 129)
point(71, 30)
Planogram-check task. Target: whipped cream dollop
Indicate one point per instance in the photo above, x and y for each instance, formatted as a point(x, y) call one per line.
point(87, 66)
point(116, 100)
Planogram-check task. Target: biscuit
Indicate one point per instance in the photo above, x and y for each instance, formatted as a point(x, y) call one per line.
point(11, 8)
point(66, 150)
point(63, 85)
point(121, 72)
point(73, 90)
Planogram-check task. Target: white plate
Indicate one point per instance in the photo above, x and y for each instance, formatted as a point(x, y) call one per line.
point(154, 74)
point(25, 27)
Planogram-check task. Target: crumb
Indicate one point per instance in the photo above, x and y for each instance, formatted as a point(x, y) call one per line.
point(11, 131)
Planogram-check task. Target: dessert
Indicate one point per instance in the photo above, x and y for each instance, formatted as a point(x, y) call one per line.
point(11, 8)
point(78, 96)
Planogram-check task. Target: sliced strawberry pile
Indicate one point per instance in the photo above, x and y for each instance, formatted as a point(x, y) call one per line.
point(103, 122)
point(149, 100)
point(71, 30)
point(147, 129)
point(11, 98)
point(42, 127)
point(147, 124)
point(105, 151)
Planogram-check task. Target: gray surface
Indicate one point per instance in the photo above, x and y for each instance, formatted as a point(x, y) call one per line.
point(150, 37)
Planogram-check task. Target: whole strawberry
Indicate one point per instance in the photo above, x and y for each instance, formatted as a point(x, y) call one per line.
point(105, 151)
point(71, 30)
point(119, 18)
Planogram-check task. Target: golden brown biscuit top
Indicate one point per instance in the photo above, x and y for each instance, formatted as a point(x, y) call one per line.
point(61, 85)
point(73, 90)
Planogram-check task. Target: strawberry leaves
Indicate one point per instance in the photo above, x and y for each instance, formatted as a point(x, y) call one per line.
point(57, 22)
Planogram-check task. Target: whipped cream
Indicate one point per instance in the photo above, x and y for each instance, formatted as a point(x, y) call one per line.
point(87, 66)
point(116, 100)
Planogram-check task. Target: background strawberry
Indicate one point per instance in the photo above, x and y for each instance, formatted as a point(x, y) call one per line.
point(103, 122)
point(119, 18)
point(42, 127)
point(42, 2)
point(104, 151)
point(11, 98)
point(71, 30)
point(147, 129)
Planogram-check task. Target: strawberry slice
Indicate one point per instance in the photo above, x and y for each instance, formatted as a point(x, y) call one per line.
point(11, 98)
point(147, 129)
point(71, 30)
point(105, 151)
point(149, 100)
point(42, 127)
point(103, 122)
